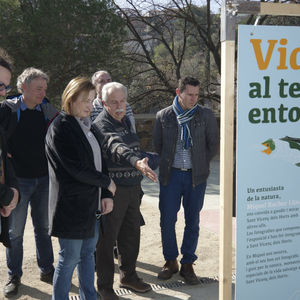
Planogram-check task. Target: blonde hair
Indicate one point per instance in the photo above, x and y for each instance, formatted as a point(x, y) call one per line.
point(72, 91)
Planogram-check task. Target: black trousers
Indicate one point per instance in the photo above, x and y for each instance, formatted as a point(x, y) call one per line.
point(121, 225)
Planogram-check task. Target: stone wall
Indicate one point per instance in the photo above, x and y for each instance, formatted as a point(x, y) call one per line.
point(144, 126)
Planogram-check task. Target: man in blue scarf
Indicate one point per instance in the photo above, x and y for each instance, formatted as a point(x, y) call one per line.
point(186, 136)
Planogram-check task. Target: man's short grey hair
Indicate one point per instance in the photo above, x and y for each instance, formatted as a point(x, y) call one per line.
point(96, 74)
point(28, 75)
point(110, 87)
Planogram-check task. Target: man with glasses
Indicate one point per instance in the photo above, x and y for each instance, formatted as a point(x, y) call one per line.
point(4, 88)
point(9, 194)
point(25, 119)
point(5, 76)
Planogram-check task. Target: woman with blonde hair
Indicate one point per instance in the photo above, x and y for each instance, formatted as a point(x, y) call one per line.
point(80, 189)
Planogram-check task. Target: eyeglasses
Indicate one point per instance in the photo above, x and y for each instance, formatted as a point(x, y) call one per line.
point(3, 87)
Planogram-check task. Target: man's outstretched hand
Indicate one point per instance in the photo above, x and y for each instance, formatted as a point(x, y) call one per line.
point(143, 167)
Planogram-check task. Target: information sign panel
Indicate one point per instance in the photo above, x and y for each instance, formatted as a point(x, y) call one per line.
point(268, 163)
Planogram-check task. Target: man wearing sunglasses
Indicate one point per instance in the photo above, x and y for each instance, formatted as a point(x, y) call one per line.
point(9, 194)
point(25, 118)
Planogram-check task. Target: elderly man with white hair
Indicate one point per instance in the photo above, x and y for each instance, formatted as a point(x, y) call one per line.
point(126, 167)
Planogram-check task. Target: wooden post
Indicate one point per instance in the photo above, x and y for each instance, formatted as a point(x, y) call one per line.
point(226, 152)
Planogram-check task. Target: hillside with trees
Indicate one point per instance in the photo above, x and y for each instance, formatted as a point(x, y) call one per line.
point(65, 38)
point(145, 44)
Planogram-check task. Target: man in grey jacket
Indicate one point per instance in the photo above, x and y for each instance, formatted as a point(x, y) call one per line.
point(186, 137)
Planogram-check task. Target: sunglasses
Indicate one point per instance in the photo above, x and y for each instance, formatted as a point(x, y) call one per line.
point(3, 87)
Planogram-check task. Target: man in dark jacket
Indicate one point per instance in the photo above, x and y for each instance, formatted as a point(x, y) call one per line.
point(121, 150)
point(9, 194)
point(25, 119)
point(186, 137)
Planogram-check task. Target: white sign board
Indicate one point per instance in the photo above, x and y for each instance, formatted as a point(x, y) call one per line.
point(268, 163)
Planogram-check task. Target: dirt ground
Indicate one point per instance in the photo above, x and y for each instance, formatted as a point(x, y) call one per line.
point(149, 262)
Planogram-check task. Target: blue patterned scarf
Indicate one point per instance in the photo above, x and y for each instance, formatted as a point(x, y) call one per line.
point(183, 117)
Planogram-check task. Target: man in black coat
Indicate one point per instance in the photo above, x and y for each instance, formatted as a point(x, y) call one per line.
point(9, 194)
point(126, 165)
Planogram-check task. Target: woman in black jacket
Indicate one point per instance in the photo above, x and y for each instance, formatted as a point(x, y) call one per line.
point(80, 189)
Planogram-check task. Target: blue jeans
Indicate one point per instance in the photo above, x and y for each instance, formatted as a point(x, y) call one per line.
point(33, 191)
point(74, 253)
point(180, 187)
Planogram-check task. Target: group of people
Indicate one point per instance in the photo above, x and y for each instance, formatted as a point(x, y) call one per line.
point(80, 170)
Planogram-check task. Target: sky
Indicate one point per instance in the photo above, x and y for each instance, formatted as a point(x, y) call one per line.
point(215, 4)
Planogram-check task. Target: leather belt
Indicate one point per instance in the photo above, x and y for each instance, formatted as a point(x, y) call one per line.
point(182, 169)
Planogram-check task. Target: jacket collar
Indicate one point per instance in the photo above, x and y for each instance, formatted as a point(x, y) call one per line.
point(113, 120)
point(78, 131)
point(23, 105)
